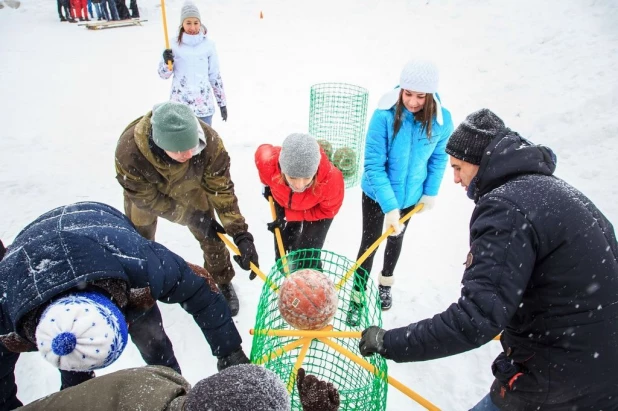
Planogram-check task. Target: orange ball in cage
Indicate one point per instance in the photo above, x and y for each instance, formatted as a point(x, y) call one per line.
point(308, 300)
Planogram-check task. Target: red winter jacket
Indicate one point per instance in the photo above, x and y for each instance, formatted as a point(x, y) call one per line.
point(321, 200)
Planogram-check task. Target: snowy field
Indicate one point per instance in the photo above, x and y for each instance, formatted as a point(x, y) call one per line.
point(549, 69)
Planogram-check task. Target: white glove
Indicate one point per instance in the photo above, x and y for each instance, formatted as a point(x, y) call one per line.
point(428, 201)
point(391, 219)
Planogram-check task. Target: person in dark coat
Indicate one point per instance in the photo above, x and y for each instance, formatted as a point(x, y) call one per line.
point(79, 275)
point(542, 269)
point(238, 388)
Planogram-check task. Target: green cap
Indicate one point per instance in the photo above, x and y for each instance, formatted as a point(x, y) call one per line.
point(174, 127)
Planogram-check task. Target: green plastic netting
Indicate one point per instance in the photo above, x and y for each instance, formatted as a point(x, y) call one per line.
point(337, 119)
point(359, 389)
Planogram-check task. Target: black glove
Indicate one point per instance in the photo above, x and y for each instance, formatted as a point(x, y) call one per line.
point(168, 55)
point(2, 250)
point(316, 395)
point(372, 341)
point(267, 193)
point(278, 223)
point(209, 226)
point(235, 358)
point(248, 253)
point(223, 113)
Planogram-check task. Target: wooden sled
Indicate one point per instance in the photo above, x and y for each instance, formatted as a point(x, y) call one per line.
point(98, 25)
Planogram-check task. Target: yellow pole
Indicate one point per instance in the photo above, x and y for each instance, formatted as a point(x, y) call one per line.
point(273, 212)
point(167, 41)
point(307, 333)
point(281, 350)
point(375, 245)
point(369, 367)
point(298, 364)
point(254, 268)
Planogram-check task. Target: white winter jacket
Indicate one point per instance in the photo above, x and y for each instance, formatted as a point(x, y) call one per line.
point(196, 72)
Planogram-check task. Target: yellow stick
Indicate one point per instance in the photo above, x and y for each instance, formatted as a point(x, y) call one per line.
point(254, 268)
point(167, 41)
point(281, 350)
point(273, 212)
point(375, 245)
point(307, 333)
point(369, 367)
point(298, 364)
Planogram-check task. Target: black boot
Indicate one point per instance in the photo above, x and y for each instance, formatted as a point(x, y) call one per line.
point(230, 296)
point(62, 18)
point(386, 299)
point(72, 20)
point(236, 358)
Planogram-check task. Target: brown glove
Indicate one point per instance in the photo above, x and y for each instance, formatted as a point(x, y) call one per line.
point(316, 395)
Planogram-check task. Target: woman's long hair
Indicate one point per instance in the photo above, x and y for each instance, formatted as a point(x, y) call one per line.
point(424, 116)
point(181, 31)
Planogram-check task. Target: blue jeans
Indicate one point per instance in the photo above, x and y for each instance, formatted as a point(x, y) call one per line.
point(207, 120)
point(485, 405)
point(112, 14)
point(97, 8)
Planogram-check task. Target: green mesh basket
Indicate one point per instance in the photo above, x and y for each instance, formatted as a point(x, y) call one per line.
point(337, 119)
point(359, 389)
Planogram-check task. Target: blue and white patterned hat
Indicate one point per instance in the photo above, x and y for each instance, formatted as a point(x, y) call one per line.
point(81, 332)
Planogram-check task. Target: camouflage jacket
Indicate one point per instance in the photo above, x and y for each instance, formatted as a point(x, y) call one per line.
point(179, 192)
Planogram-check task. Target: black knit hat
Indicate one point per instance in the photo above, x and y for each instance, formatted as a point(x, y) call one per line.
point(240, 387)
point(470, 139)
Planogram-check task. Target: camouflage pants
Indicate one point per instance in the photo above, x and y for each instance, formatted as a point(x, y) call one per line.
point(216, 255)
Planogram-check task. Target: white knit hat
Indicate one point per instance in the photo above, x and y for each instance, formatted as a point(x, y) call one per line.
point(81, 332)
point(189, 9)
point(300, 156)
point(418, 75)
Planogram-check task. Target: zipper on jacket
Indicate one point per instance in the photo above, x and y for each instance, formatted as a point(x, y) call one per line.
point(290, 202)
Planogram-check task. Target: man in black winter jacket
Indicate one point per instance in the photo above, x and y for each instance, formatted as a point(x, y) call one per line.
point(91, 248)
point(542, 269)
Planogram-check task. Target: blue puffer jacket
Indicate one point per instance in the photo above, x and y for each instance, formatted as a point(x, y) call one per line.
point(399, 171)
point(83, 242)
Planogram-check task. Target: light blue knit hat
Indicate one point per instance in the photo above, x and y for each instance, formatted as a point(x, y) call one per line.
point(82, 331)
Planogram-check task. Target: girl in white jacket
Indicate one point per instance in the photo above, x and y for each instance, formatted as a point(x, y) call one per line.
point(195, 67)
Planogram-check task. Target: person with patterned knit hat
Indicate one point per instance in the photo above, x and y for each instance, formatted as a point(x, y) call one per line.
point(79, 280)
point(306, 187)
point(174, 166)
point(237, 388)
point(542, 270)
point(195, 67)
point(404, 164)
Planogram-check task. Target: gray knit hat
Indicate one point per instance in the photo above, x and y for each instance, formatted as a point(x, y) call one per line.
point(470, 139)
point(241, 387)
point(174, 127)
point(300, 156)
point(189, 9)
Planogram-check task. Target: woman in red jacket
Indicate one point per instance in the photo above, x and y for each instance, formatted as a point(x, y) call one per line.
point(306, 187)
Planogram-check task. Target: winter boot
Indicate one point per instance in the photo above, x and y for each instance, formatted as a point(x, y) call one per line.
point(62, 18)
point(386, 299)
point(230, 296)
point(72, 20)
point(355, 310)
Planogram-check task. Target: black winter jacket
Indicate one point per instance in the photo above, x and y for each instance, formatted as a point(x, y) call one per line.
point(543, 269)
point(70, 246)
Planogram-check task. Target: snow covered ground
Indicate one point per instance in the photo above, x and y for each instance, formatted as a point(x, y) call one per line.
point(549, 69)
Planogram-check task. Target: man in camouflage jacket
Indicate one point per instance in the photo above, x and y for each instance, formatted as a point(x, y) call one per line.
point(171, 165)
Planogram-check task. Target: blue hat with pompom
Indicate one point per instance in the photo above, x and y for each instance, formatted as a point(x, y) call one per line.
point(82, 331)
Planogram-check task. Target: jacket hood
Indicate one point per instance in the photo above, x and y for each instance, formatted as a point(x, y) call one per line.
point(509, 155)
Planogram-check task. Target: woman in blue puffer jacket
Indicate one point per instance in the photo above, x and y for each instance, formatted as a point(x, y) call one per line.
point(404, 165)
point(195, 67)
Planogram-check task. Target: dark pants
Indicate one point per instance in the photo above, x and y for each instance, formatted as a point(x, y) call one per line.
point(123, 12)
point(147, 333)
point(8, 388)
point(64, 5)
point(373, 224)
point(134, 9)
point(300, 235)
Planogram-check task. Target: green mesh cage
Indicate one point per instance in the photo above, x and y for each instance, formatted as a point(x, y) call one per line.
point(359, 389)
point(337, 119)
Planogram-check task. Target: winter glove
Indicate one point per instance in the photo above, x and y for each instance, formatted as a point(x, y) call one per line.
point(236, 358)
point(372, 341)
point(2, 250)
point(428, 201)
point(168, 55)
point(278, 223)
point(391, 219)
point(223, 113)
point(248, 253)
point(316, 395)
point(267, 193)
point(208, 226)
